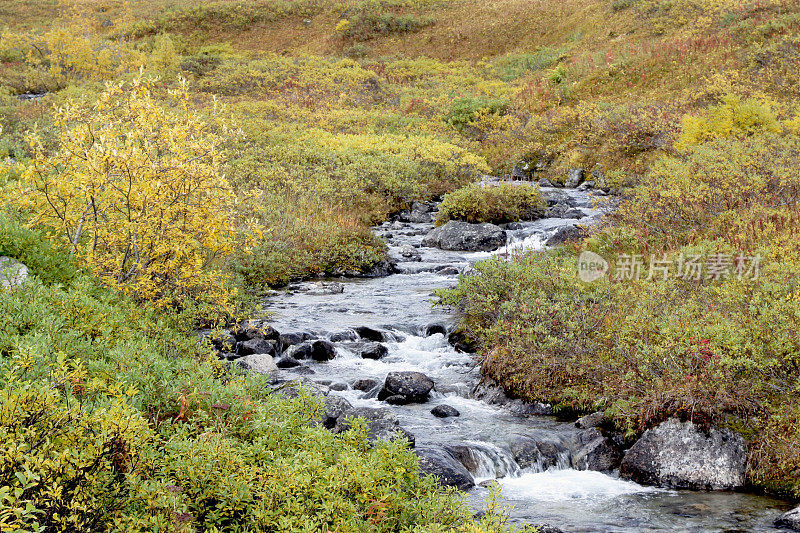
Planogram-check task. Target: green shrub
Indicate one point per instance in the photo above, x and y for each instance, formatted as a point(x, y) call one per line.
point(498, 204)
point(513, 66)
point(464, 111)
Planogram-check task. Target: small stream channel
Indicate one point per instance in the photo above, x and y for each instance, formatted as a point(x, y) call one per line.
point(572, 500)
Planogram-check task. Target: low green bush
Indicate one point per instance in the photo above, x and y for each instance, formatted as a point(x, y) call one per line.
point(498, 204)
point(464, 111)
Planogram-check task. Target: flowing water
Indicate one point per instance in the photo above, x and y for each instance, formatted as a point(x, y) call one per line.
point(575, 501)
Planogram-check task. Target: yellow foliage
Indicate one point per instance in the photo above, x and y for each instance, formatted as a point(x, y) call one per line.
point(135, 189)
point(732, 117)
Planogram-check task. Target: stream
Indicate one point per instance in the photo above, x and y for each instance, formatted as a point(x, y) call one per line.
point(572, 500)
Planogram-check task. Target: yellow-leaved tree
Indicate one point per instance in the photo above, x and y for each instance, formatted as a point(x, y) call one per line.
point(134, 187)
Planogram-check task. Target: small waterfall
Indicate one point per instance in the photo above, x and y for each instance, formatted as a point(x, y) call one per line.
point(485, 461)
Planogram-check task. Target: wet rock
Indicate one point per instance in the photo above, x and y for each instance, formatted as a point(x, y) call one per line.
point(461, 342)
point(414, 387)
point(559, 210)
point(544, 182)
point(447, 271)
point(538, 449)
point(597, 452)
point(575, 177)
point(381, 269)
point(433, 329)
point(547, 528)
point(408, 253)
point(335, 407)
point(523, 408)
point(292, 339)
point(681, 455)
point(339, 386)
point(325, 288)
point(373, 334)
point(420, 217)
point(790, 520)
point(322, 350)
point(261, 363)
point(374, 351)
point(12, 273)
point(396, 399)
point(576, 214)
point(566, 234)
point(444, 411)
point(463, 236)
point(586, 185)
point(448, 470)
point(591, 421)
point(287, 361)
point(344, 336)
point(304, 370)
point(229, 356)
point(382, 424)
point(365, 384)
point(300, 351)
point(258, 346)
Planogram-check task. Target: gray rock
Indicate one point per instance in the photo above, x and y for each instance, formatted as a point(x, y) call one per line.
point(344, 336)
point(448, 271)
point(447, 469)
point(576, 214)
point(335, 407)
point(261, 363)
point(420, 217)
point(292, 339)
point(681, 455)
point(299, 351)
point(373, 334)
point(586, 185)
point(591, 421)
point(382, 424)
point(12, 273)
point(575, 177)
point(322, 350)
point(434, 328)
point(538, 449)
point(566, 234)
point(325, 288)
point(599, 454)
point(374, 350)
point(287, 361)
point(257, 346)
point(414, 387)
point(255, 329)
point(544, 182)
point(339, 386)
point(365, 384)
point(444, 411)
point(790, 520)
point(463, 236)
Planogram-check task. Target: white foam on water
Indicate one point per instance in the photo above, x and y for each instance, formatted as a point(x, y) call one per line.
point(565, 485)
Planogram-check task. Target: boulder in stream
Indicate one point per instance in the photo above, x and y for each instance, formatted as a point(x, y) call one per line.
point(790, 520)
point(408, 387)
point(448, 470)
point(445, 411)
point(682, 455)
point(539, 450)
point(463, 236)
point(261, 363)
point(374, 350)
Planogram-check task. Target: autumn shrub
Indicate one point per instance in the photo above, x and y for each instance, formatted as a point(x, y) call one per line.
point(466, 110)
point(495, 204)
point(51, 60)
point(135, 190)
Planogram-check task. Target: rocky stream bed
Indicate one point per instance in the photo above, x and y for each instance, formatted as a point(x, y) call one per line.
point(377, 348)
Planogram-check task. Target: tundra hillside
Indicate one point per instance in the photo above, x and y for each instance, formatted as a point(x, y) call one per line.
point(164, 161)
